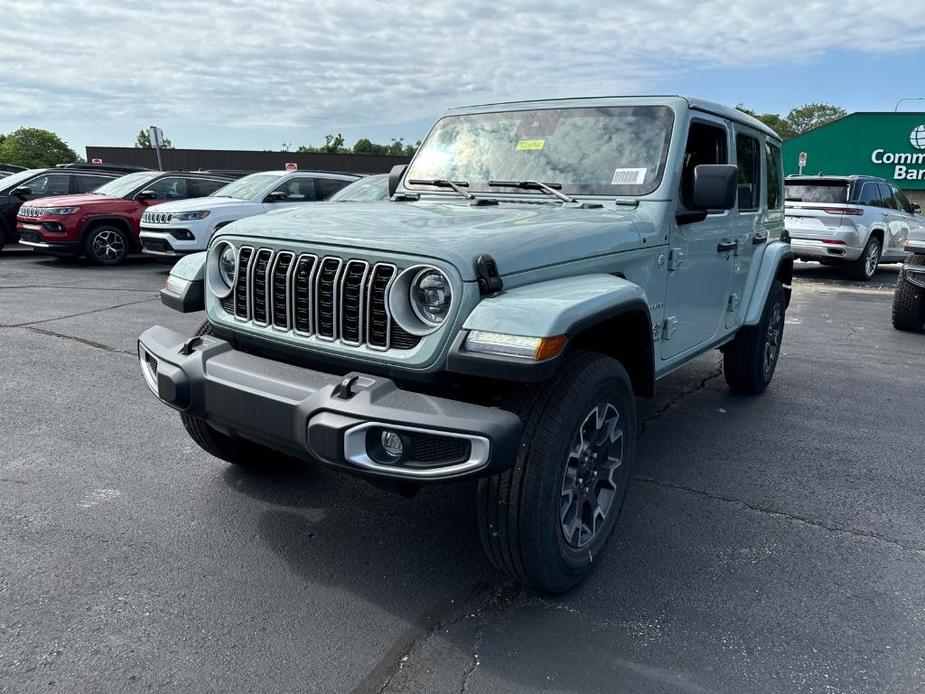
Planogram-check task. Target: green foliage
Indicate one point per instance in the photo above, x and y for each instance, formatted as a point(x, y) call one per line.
point(143, 141)
point(334, 144)
point(35, 148)
point(799, 120)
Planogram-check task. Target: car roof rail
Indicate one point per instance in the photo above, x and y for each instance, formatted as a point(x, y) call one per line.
point(84, 166)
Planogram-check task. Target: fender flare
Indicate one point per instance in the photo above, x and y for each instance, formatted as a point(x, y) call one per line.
point(124, 222)
point(776, 263)
point(185, 287)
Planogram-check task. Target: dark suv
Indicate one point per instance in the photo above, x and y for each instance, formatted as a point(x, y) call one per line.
point(16, 188)
point(104, 225)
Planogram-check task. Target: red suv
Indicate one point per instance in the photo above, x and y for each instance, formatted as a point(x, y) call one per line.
point(104, 224)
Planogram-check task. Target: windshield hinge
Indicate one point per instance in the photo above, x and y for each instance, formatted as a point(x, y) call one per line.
point(486, 272)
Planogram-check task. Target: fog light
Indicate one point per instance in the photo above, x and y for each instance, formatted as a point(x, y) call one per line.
point(391, 444)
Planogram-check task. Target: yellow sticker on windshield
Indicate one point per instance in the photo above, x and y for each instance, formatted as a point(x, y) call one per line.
point(530, 144)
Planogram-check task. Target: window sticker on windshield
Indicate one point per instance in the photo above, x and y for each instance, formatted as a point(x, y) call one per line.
point(530, 144)
point(629, 177)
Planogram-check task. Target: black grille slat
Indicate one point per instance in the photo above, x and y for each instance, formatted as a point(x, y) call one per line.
point(400, 339)
point(279, 287)
point(259, 310)
point(326, 299)
point(240, 287)
point(228, 304)
point(302, 294)
point(378, 317)
point(352, 299)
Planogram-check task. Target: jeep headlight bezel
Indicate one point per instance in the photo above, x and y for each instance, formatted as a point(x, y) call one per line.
point(221, 280)
point(411, 310)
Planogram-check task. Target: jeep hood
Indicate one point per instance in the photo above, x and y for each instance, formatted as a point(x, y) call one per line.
point(206, 203)
point(518, 236)
point(71, 200)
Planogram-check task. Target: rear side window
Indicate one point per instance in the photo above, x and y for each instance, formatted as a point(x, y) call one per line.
point(773, 162)
point(869, 194)
point(326, 187)
point(87, 184)
point(748, 158)
point(201, 187)
point(817, 191)
point(50, 184)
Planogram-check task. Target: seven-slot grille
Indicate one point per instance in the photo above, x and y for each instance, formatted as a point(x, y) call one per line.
point(328, 297)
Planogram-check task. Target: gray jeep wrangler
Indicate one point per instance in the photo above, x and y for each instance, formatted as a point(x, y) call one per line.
point(539, 266)
point(909, 297)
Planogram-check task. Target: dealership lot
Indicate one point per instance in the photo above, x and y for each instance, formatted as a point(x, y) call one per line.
point(768, 544)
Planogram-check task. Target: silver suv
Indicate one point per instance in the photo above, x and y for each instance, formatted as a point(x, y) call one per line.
point(853, 221)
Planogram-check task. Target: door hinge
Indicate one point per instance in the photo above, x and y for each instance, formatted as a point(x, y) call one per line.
point(675, 259)
point(733, 305)
point(669, 327)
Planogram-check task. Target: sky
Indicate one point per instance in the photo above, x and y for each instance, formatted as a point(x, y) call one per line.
point(260, 73)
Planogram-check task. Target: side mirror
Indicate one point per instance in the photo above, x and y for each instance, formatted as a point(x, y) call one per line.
point(395, 176)
point(715, 186)
point(21, 192)
point(146, 195)
point(277, 196)
point(916, 208)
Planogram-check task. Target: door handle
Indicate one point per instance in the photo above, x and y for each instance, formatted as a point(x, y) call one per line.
point(724, 246)
point(758, 239)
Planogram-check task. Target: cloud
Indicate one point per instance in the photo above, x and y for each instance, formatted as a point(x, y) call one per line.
point(269, 63)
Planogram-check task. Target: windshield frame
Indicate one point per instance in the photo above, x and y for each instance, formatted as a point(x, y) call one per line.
point(617, 191)
point(273, 180)
point(143, 177)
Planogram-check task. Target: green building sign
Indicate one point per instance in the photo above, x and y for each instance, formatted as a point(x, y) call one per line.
point(888, 145)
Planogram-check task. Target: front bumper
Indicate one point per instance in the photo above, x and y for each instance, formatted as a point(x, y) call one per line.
point(314, 415)
point(811, 249)
point(914, 274)
point(170, 242)
point(30, 235)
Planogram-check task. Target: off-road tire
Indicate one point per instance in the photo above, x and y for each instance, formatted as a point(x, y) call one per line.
point(745, 359)
point(909, 301)
point(520, 511)
point(860, 269)
point(232, 449)
point(106, 244)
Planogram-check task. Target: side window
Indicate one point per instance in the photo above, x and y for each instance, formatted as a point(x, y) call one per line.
point(903, 201)
point(749, 160)
point(326, 187)
point(49, 184)
point(706, 144)
point(773, 162)
point(169, 188)
point(87, 183)
point(298, 189)
point(202, 187)
point(869, 195)
point(888, 200)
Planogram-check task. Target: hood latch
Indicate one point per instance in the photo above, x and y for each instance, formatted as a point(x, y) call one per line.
point(486, 271)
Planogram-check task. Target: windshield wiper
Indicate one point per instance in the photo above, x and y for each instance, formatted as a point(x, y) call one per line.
point(548, 188)
point(443, 183)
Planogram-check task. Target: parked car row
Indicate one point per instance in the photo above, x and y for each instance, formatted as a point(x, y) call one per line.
point(98, 212)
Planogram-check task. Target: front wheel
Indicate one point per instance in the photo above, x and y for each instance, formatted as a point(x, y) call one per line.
point(546, 520)
point(749, 361)
point(106, 245)
point(909, 301)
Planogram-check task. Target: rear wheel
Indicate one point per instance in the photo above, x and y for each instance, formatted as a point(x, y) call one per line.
point(106, 244)
point(909, 301)
point(546, 520)
point(865, 267)
point(749, 361)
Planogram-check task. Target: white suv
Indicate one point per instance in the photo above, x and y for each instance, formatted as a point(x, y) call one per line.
point(177, 228)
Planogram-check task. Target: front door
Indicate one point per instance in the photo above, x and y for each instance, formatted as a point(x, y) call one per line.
point(701, 254)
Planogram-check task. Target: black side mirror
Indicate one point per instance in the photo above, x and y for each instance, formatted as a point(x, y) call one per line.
point(916, 208)
point(21, 192)
point(715, 187)
point(277, 196)
point(146, 195)
point(395, 176)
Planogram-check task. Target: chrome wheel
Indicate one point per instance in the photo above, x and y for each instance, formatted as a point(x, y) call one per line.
point(872, 258)
point(772, 340)
point(593, 474)
point(108, 246)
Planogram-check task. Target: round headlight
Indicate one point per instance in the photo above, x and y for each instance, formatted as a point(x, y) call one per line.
point(226, 265)
point(431, 295)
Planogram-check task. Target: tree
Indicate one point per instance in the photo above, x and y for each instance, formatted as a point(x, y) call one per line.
point(143, 141)
point(805, 118)
point(35, 148)
point(334, 144)
point(772, 120)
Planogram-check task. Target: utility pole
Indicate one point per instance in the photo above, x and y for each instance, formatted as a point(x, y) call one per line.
point(156, 135)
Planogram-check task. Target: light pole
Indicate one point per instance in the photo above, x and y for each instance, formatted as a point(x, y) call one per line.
point(908, 98)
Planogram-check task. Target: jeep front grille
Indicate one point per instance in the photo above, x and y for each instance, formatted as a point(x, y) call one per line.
point(327, 297)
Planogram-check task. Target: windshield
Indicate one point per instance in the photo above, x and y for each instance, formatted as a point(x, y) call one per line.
point(365, 190)
point(591, 151)
point(818, 191)
point(247, 187)
point(125, 184)
point(14, 179)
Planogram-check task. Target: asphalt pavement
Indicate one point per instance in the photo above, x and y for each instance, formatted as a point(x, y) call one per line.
point(769, 544)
